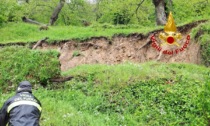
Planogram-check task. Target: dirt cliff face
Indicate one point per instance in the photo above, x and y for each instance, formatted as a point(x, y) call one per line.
point(120, 49)
point(135, 48)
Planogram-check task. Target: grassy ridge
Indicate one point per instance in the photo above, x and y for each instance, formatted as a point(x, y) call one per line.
point(128, 94)
point(21, 32)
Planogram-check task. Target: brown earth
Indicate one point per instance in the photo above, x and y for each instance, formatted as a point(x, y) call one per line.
point(135, 48)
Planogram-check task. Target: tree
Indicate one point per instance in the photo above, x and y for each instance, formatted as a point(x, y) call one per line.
point(160, 11)
point(56, 12)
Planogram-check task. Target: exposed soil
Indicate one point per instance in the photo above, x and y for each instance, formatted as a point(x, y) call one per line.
point(120, 49)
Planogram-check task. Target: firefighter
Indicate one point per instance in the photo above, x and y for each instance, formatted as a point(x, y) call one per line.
point(23, 109)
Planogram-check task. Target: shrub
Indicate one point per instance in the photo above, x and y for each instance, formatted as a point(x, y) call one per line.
point(20, 63)
point(10, 11)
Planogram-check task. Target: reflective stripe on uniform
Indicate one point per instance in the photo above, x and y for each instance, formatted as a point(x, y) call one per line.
point(17, 103)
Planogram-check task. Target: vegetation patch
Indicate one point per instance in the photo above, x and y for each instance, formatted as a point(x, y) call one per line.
point(20, 32)
point(146, 94)
point(133, 94)
point(21, 63)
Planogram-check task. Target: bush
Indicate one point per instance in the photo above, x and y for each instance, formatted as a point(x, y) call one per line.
point(10, 11)
point(20, 63)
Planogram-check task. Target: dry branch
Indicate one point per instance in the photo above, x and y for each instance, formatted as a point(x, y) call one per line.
point(27, 20)
point(39, 43)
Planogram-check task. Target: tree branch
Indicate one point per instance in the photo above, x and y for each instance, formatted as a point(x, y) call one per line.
point(39, 43)
point(27, 20)
point(136, 11)
point(139, 6)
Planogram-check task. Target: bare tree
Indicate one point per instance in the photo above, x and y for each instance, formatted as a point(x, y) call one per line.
point(56, 12)
point(160, 11)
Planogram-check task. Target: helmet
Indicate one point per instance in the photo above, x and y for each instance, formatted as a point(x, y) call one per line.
point(24, 86)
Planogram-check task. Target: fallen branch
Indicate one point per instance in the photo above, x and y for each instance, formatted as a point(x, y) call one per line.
point(61, 79)
point(39, 43)
point(27, 20)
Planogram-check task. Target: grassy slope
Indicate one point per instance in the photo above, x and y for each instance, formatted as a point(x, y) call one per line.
point(20, 32)
point(128, 94)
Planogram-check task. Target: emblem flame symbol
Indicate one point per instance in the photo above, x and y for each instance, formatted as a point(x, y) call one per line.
point(170, 34)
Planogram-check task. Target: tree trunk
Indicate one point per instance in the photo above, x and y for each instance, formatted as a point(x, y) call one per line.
point(160, 12)
point(56, 12)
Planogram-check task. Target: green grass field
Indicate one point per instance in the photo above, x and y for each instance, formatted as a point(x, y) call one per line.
point(148, 94)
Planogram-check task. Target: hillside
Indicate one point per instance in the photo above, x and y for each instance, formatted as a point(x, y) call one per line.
point(111, 62)
point(111, 85)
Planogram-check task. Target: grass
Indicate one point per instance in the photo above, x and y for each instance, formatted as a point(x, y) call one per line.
point(127, 94)
point(36, 66)
point(21, 32)
point(124, 73)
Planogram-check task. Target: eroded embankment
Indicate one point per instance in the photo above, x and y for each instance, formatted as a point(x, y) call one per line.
point(133, 48)
point(120, 48)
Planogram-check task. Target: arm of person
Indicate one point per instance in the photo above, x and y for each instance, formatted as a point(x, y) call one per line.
point(3, 115)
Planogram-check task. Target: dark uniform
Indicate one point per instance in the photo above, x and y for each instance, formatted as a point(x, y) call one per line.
point(23, 109)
